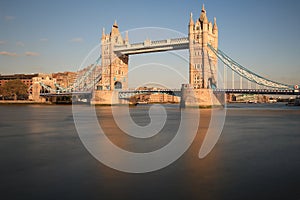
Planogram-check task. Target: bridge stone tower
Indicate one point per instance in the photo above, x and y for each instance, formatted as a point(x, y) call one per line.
point(203, 63)
point(115, 67)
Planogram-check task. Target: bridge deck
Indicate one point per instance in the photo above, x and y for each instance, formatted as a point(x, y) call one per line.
point(177, 92)
point(149, 46)
point(259, 91)
point(64, 94)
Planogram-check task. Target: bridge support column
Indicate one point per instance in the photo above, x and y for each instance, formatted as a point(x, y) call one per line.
point(202, 98)
point(107, 97)
point(35, 96)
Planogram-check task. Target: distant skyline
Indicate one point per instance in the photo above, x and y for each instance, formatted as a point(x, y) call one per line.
point(56, 36)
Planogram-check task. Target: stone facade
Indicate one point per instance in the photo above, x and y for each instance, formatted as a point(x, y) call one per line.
point(37, 89)
point(114, 67)
point(203, 63)
point(191, 97)
point(25, 78)
point(65, 79)
point(163, 98)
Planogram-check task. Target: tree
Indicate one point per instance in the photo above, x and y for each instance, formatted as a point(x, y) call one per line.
point(14, 89)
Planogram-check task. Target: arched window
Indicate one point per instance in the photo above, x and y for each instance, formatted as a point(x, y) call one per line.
point(118, 85)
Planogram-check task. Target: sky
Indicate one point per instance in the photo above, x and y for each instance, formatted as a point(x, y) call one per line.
point(56, 36)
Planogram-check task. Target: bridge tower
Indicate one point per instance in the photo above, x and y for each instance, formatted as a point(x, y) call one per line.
point(115, 67)
point(203, 63)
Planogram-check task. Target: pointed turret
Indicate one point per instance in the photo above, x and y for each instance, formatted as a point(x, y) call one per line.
point(191, 19)
point(203, 17)
point(103, 33)
point(115, 29)
point(215, 27)
point(126, 37)
point(215, 32)
point(204, 20)
point(115, 24)
point(191, 25)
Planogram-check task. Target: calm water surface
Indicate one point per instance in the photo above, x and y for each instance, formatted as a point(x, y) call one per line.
point(256, 157)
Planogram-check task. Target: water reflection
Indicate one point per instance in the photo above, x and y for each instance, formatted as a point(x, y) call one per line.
point(140, 117)
point(256, 157)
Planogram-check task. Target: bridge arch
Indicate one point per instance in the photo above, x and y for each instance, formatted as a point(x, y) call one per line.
point(118, 85)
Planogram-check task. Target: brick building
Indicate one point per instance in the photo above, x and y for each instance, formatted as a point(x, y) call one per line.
point(25, 78)
point(65, 79)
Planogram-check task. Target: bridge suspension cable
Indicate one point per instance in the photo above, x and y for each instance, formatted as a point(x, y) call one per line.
point(249, 75)
point(84, 82)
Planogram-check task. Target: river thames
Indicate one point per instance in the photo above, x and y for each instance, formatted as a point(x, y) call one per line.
point(256, 157)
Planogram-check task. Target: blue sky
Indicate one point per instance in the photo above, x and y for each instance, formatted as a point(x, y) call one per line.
point(51, 36)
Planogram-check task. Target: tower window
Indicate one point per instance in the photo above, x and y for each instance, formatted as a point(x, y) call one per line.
point(196, 79)
point(196, 66)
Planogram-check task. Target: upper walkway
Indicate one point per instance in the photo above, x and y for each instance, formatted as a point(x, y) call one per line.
point(149, 46)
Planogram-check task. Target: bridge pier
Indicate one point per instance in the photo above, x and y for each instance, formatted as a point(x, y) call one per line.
point(202, 98)
point(107, 97)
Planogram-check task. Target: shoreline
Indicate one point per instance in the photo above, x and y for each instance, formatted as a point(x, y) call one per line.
point(21, 102)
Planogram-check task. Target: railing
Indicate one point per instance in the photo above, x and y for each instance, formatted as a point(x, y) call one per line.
point(259, 91)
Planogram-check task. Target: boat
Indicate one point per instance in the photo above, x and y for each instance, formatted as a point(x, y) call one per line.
point(142, 102)
point(294, 102)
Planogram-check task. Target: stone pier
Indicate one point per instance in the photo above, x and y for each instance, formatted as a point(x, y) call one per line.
point(107, 97)
point(202, 98)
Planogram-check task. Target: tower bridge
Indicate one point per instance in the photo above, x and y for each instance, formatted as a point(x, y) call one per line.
point(109, 74)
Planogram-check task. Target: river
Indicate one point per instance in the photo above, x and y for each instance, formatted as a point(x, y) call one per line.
point(256, 157)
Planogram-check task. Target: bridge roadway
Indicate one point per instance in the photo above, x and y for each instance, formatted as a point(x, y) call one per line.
point(177, 92)
point(259, 91)
point(61, 94)
point(125, 94)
